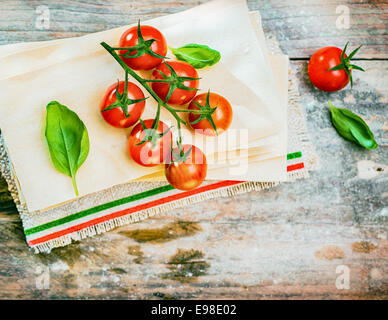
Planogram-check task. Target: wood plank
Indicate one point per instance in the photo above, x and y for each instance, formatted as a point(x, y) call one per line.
point(256, 258)
point(300, 26)
point(304, 26)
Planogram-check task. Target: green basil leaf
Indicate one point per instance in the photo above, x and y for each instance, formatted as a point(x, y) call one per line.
point(351, 127)
point(67, 139)
point(198, 55)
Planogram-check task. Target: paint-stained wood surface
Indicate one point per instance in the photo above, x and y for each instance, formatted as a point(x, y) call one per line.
point(288, 242)
point(301, 26)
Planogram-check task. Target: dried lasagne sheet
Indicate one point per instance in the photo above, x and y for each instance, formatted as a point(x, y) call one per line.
point(76, 72)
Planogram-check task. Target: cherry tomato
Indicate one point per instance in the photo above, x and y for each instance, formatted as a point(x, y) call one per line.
point(116, 117)
point(221, 117)
point(322, 60)
point(182, 69)
point(145, 62)
point(190, 173)
point(157, 146)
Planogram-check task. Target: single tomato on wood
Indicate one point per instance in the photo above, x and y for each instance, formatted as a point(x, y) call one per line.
point(330, 69)
point(150, 147)
point(188, 168)
point(122, 111)
point(175, 82)
point(219, 115)
point(148, 47)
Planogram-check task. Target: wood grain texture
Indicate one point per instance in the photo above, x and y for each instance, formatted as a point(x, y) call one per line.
point(304, 26)
point(301, 26)
point(284, 243)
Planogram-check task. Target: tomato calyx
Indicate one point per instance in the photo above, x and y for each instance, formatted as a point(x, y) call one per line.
point(151, 134)
point(174, 81)
point(206, 112)
point(122, 100)
point(181, 156)
point(143, 47)
point(346, 65)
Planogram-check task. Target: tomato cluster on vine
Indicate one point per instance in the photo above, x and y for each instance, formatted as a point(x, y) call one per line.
point(150, 142)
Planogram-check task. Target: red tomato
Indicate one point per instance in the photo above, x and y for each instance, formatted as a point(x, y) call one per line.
point(222, 116)
point(182, 69)
point(190, 173)
point(116, 117)
point(146, 61)
point(150, 153)
point(322, 60)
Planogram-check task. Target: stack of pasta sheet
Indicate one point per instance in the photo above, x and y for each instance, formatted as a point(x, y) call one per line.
point(113, 189)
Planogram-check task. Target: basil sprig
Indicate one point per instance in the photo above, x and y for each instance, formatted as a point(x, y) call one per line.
point(198, 55)
point(67, 139)
point(351, 127)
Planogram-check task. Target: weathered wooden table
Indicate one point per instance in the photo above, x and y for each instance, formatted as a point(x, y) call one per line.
point(298, 240)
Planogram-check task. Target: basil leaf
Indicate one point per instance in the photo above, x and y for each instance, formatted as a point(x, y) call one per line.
point(352, 127)
point(198, 55)
point(67, 139)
